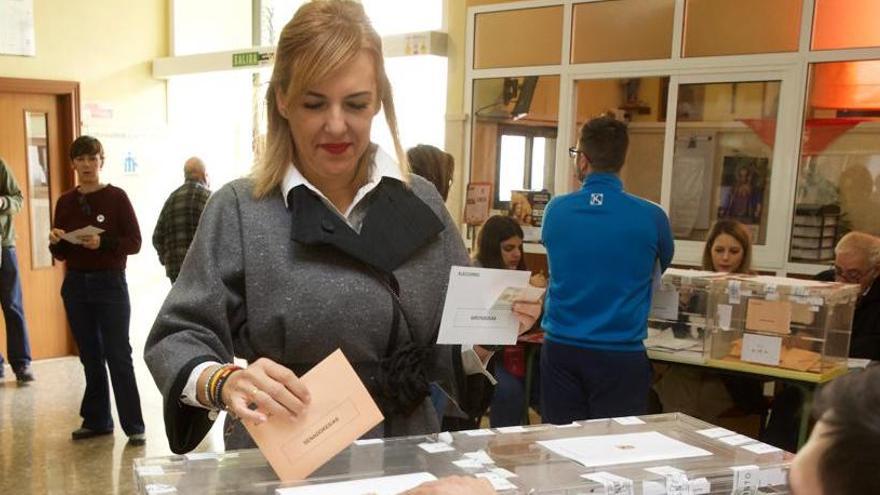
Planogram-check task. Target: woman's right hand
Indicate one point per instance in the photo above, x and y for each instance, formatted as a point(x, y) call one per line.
point(274, 389)
point(55, 236)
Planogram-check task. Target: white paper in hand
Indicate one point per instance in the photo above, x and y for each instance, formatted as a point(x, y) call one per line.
point(74, 236)
point(468, 317)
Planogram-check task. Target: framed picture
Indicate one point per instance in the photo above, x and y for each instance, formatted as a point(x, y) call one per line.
point(744, 181)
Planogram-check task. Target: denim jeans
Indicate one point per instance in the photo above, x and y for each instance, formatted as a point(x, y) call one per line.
point(17, 343)
point(98, 311)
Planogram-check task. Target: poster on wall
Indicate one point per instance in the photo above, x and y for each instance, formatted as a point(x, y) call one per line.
point(527, 208)
point(476, 208)
point(743, 184)
point(17, 28)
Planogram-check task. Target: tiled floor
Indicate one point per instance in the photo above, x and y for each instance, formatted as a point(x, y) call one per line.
point(36, 453)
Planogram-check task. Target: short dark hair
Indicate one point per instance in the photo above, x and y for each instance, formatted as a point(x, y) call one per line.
point(739, 232)
point(604, 140)
point(86, 145)
point(497, 229)
point(849, 408)
point(433, 164)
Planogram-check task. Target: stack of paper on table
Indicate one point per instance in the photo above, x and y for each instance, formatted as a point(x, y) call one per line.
point(341, 410)
point(628, 448)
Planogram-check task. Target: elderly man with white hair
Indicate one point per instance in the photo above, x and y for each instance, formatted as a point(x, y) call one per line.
point(857, 261)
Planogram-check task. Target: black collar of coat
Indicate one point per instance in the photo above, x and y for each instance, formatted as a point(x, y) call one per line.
point(397, 224)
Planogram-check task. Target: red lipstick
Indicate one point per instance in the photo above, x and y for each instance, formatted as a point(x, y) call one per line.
point(335, 148)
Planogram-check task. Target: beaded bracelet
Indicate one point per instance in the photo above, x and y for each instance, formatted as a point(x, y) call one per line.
point(221, 377)
point(208, 384)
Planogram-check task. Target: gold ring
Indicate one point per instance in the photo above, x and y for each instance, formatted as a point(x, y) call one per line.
point(254, 391)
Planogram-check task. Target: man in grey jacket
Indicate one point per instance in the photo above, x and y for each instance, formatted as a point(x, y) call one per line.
point(17, 344)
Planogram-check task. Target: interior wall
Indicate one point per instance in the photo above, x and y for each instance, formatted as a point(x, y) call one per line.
point(108, 47)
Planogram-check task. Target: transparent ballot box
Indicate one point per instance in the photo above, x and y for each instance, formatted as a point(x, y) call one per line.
point(677, 323)
point(645, 455)
point(796, 325)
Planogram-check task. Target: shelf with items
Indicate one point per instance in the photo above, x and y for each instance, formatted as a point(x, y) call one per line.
point(815, 231)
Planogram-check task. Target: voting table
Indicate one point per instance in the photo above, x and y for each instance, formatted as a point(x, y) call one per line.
point(647, 455)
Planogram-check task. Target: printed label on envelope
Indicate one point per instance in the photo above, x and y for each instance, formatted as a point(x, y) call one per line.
point(761, 349)
point(341, 410)
point(769, 316)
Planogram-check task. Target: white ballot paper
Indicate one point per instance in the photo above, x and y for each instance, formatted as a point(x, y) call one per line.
point(385, 485)
point(605, 450)
point(73, 237)
point(469, 314)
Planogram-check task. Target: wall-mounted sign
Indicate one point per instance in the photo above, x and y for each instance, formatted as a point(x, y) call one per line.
point(247, 59)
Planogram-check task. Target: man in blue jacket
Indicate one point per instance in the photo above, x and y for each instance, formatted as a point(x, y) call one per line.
point(603, 247)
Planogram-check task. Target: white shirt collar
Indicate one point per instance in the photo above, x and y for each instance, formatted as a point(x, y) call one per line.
point(383, 166)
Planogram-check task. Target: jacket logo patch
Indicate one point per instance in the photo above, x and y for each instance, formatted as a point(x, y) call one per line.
point(596, 199)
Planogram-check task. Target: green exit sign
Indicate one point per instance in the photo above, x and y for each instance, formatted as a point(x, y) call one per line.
point(245, 59)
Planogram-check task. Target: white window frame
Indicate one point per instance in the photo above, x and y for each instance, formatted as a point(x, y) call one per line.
point(790, 68)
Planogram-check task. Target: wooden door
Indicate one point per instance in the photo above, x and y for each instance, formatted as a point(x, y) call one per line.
point(35, 131)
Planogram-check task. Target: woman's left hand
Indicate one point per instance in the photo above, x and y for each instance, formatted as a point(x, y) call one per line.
point(527, 312)
point(90, 241)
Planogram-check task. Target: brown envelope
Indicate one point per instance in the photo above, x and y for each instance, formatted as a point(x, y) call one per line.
point(769, 316)
point(341, 410)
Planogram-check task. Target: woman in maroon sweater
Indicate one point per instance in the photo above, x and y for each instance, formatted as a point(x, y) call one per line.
point(95, 292)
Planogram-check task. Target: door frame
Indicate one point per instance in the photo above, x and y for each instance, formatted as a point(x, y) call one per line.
point(67, 98)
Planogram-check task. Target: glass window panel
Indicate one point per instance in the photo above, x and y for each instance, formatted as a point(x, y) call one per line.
point(838, 187)
point(714, 27)
point(722, 161)
point(526, 107)
point(641, 102)
point(846, 24)
point(622, 30)
point(518, 38)
point(539, 157)
point(36, 129)
point(511, 171)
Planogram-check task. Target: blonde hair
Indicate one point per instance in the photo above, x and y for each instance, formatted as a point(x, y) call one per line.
point(322, 37)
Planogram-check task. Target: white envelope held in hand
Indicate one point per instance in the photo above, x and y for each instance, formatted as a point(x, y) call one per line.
point(469, 312)
point(74, 237)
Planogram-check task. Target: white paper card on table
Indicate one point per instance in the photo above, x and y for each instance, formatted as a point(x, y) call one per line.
point(481, 456)
point(573, 424)
point(761, 448)
point(606, 450)
point(664, 470)
point(150, 470)
point(613, 484)
point(468, 463)
point(700, 486)
point(724, 313)
point(716, 432)
point(511, 429)
point(761, 349)
point(74, 236)
point(628, 420)
point(202, 456)
point(736, 440)
point(664, 304)
point(384, 485)
point(503, 472)
point(467, 317)
point(159, 489)
point(499, 483)
point(479, 433)
point(445, 437)
point(772, 477)
point(369, 441)
point(745, 480)
point(435, 448)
